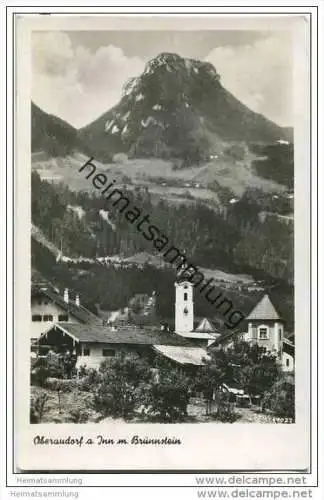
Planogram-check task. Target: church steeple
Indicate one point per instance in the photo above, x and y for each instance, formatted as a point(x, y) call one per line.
point(184, 311)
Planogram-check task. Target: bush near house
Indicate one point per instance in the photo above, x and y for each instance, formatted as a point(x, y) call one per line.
point(127, 383)
point(166, 396)
point(53, 365)
point(45, 367)
point(88, 379)
point(38, 407)
point(119, 390)
point(250, 367)
point(281, 399)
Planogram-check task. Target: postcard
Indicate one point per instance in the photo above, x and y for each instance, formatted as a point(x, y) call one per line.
point(161, 246)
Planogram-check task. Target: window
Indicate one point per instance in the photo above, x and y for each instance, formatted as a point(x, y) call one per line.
point(280, 333)
point(47, 317)
point(86, 351)
point(263, 333)
point(63, 317)
point(108, 352)
point(287, 362)
point(36, 317)
point(186, 287)
point(185, 296)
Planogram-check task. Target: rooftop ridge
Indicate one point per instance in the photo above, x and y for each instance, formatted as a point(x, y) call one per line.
point(264, 310)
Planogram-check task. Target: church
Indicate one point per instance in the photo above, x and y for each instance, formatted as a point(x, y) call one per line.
point(265, 327)
point(93, 341)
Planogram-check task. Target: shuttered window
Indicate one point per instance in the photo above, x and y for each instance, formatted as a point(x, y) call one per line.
point(263, 333)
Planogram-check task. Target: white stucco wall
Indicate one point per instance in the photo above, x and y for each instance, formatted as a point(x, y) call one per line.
point(95, 357)
point(39, 327)
point(288, 363)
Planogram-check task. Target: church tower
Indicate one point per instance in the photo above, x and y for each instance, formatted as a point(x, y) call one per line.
point(184, 311)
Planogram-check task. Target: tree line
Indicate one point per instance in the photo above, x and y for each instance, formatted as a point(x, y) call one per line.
point(238, 244)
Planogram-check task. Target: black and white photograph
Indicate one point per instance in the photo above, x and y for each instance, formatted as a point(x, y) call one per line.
point(162, 227)
point(164, 170)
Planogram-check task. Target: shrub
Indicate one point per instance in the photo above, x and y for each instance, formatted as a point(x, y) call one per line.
point(79, 415)
point(44, 367)
point(281, 399)
point(64, 385)
point(117, 392)
point(68, 364)
point(37, 407)
point(166, 396)
point(83, 371)
point(89, 380)
point(225, 410)
point(249, 367)
point(38, 376)
point(60, 386)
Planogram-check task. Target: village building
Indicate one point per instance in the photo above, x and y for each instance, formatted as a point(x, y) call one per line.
point(49, 307)
point(205, 333)
point(93, 339)
point(62, 323)
point(288, 356)
point(266, 329)
point(93, 344)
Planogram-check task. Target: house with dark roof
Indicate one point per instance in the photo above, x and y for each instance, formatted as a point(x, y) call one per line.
point(48, 307)
point(62, 324)
point(92, 343)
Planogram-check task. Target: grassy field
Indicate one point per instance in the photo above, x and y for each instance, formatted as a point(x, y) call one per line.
point(187, 184)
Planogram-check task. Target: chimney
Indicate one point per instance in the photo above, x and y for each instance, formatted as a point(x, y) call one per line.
point(66, 295)
point(77, 300)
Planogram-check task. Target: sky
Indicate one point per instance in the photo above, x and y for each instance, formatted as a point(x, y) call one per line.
point(79, 75)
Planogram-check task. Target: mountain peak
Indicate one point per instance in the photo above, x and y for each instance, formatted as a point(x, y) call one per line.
point(173, 62)
point(178, 108)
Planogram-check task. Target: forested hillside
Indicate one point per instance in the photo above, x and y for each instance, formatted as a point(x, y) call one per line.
point(112, 288)
point(87, 225)
point(276, 162)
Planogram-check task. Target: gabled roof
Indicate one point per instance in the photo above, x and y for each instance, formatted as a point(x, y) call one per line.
point(183, 355)
point(205, 325)
point(102, 334)
point(79, 312)
point(264, 310)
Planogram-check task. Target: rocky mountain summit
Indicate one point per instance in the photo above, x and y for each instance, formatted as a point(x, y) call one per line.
point(177, 108)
